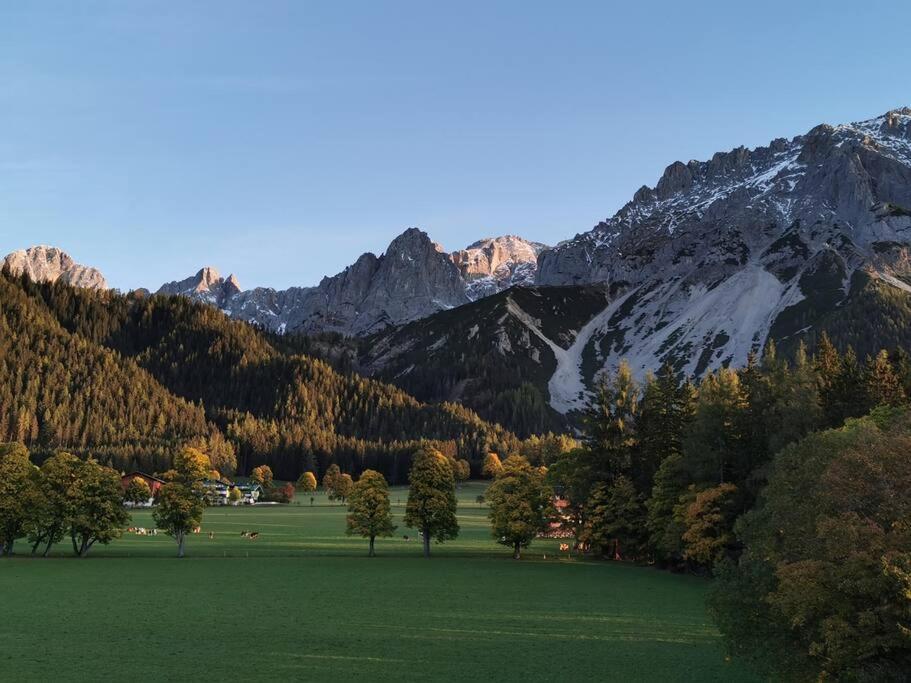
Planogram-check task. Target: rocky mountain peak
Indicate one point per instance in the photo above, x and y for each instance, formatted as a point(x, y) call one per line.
point(207, 286)
point(43, 263)
point(493, 264)
point(723, 252)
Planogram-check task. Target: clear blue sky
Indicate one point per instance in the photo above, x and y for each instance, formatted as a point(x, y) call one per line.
point(279, 140)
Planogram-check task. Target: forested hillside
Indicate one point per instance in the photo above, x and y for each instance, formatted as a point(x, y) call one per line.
point(58, 389)
point(131, 375)
point(495, 356)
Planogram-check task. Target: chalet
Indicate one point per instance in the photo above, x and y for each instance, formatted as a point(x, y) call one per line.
point(216, 491)
point(250, 493)
point(154, 484)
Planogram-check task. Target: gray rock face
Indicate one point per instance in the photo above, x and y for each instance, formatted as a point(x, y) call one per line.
point(496, 263)
point(50, 264)
point(206, 286)
point(414, 278)
point(704, 265)
point(411, 280)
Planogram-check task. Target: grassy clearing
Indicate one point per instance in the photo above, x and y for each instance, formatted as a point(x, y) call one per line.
point(304, 600)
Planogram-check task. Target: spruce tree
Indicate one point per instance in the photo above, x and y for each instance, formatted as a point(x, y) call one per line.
point(616, 520)
point(665, 412)
point(716, 444)
point(610, 424)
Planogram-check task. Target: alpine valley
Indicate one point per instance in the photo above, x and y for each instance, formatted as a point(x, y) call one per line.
point(778, 243)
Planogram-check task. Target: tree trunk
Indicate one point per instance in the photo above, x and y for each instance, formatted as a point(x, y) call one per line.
point(517, 551)
point(370, 554)
point(47, 548)
point(35, 546)
point(426, 542)
point(180, 539)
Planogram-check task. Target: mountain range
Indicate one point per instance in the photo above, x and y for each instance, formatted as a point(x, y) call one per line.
point(775, 243)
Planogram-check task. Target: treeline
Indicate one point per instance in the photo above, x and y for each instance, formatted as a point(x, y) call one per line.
point(710, 478)
point(130, 378)
point(674, 456)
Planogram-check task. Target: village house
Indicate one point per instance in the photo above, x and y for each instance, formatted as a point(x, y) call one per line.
point(154, 484)
point(250, 493)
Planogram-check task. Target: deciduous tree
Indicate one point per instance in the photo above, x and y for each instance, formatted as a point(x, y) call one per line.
point(492, 465)
point(344, 484)
point(333, 472)
point(181, 500)
point(97, 514)
point(818, 593)
point(15, 482)
point(521, 504)
point(431, 506)
point(369, 511)
point(707, 517)
point(137, 492)
point(262, 475)
point(307, 482)
point(58, 488)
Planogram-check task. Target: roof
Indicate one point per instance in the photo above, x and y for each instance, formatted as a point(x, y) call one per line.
point(144, 476)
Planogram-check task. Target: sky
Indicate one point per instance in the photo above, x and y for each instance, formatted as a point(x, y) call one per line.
point(280, 140)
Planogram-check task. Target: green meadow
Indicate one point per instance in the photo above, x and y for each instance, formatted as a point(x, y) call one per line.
point(303, 600)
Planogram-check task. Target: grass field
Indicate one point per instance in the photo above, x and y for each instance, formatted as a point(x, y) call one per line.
point(303, 600)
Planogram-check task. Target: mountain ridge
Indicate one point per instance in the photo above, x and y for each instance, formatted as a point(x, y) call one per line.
point(701, 270)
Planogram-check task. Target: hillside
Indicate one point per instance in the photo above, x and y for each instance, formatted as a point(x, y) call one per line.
point(283, 409)
point(60, 390)
point(496, 356)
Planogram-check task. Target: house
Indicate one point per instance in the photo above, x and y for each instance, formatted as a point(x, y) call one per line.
point(154, 484)
point(250, 493)
point(216, 491)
